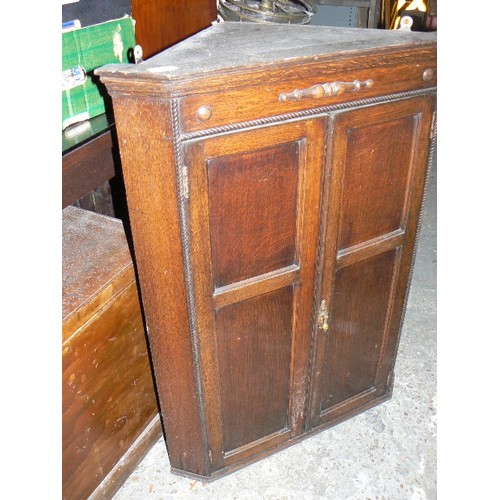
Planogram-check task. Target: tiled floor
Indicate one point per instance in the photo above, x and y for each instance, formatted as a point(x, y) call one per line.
point(388, 452)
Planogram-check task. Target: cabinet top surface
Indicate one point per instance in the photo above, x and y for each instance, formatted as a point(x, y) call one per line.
point(231, 45)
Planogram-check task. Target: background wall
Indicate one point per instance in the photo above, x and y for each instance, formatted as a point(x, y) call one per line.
point(328, 15)
point(95, 11)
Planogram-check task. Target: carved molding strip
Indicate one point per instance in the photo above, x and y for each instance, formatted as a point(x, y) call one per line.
point(308, 112)
point(188, 275)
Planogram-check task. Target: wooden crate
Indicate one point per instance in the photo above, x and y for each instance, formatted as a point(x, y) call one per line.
point(110, 415)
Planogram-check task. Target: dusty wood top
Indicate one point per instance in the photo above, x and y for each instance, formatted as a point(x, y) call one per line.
point(230, 45)
point(94, 251)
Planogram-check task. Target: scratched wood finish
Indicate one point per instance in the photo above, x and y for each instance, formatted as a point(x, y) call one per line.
point(397, 73)
point(108, 395)
point(249, 214)
point(108, 399)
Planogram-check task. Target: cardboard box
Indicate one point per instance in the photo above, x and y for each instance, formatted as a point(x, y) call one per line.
point(84, 50)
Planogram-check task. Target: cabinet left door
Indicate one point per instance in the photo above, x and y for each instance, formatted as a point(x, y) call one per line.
point(253, 199)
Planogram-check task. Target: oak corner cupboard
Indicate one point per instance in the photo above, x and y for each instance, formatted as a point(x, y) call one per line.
point(275, 176)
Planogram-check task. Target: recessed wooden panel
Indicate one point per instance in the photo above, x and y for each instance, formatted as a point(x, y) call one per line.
point(378, 161)
point(253, 212)
point(254, 340)
point(361, 301)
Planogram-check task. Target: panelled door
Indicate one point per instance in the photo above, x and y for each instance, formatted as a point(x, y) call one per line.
point(254, 203)
point(375, 190)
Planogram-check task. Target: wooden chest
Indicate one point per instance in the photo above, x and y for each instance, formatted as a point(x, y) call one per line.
point(110, 415)
point(274, 176)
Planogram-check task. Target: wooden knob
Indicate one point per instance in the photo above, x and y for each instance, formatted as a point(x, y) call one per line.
point(204, 113)
point(428, 74)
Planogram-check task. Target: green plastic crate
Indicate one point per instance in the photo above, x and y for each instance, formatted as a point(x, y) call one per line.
point(84, 50)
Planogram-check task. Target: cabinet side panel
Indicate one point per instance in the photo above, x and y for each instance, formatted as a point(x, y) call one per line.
point(254, 339)
point(147, 152)
point(253, 207)
point(361, 303)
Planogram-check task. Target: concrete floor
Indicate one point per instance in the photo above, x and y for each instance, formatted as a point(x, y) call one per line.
point(388, 452)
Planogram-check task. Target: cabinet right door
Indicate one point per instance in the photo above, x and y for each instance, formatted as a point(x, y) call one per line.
point(373, 200)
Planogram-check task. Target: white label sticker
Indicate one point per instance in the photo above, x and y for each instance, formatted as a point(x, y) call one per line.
point(73, 77)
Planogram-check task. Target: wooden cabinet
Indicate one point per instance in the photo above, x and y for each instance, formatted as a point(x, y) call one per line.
point(109, 411)
point(274, 178)
point(161, 23)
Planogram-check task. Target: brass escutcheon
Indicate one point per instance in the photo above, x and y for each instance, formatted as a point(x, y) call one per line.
point(323, 317)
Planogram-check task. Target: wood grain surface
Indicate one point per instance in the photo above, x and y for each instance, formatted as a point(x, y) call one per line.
point(108, 398)
point(162, 23)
